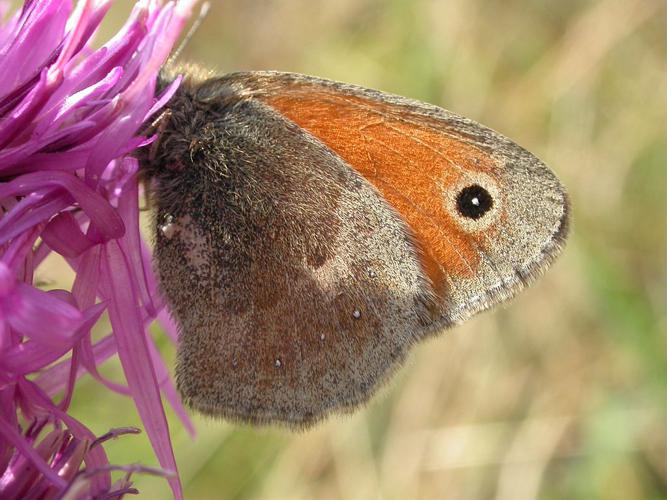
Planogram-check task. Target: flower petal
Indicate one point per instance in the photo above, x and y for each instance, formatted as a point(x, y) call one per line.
point(134, 356)
point(64, 236)
point(92, 203)
point(42, 316)
point(31, 356)
point(10, 435)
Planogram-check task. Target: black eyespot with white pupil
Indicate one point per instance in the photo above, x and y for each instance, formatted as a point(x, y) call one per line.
point(474, 201)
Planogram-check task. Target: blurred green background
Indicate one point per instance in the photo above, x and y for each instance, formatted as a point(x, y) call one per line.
point(561, 394)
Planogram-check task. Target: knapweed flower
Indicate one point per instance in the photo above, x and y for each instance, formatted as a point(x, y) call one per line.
point(70, 116)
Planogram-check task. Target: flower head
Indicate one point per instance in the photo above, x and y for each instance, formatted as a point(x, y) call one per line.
point(69, 120)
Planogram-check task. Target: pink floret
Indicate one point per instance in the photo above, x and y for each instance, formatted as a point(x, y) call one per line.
point(70, 117)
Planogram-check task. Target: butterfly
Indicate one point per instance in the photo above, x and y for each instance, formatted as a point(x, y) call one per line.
point(309, 233)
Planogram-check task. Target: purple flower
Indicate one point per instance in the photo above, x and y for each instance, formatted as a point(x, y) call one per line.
point(69, 119)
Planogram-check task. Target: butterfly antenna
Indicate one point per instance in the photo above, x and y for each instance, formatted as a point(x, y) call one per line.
point(195, 26)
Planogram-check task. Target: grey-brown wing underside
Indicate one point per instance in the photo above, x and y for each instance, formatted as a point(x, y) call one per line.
point(297, 288)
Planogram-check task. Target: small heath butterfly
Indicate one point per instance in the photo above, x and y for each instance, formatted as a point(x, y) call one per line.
point(309, 233)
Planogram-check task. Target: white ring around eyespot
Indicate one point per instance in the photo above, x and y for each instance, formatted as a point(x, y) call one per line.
point(450, 195)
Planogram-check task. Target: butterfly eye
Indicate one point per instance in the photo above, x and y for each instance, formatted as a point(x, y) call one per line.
point(473, 201)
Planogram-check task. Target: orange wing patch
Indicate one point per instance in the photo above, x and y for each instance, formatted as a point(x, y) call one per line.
point(408, 161)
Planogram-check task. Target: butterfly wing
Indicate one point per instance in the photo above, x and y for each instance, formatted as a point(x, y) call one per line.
point(296, 286)
point(421, 158)
point(318, 233)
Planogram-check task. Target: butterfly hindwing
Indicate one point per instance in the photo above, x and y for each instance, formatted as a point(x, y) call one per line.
point(296, 286)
